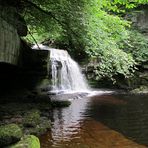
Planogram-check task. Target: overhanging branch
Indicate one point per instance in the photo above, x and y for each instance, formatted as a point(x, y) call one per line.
point(52, 15)
point(43, 11)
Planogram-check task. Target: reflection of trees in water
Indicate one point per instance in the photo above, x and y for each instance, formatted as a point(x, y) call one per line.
point(130, 118)
point(79, 125)
point(66, 121)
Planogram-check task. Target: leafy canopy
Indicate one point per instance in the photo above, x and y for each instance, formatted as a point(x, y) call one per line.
point(89, 28)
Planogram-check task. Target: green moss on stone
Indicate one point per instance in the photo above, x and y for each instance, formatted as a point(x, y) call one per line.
point(9, 134)
point(31, 118)
point(28, 141)
point(41, 128)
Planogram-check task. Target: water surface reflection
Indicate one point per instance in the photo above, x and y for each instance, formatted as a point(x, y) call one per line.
point(101, 121)
point(130, 119)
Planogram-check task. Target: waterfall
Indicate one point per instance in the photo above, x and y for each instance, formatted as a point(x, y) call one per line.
point(66, 73)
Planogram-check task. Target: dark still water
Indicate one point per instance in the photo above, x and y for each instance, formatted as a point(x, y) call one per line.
point(101, 121)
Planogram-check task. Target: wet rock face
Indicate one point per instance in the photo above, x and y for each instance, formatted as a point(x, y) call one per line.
point(11, 15)
point(139, 19)
point(36, 64)
point(135, 84)
point(9, 43)
point(142, 20)
point(12, 26)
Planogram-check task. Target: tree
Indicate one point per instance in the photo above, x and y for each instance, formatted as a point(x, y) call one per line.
point(86, 28)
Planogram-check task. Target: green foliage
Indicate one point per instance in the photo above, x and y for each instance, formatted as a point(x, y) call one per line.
point(114, 62)
point(90, 28)
point(104, 34)
point(137, 45)
point(64, 25)
point(121, 6)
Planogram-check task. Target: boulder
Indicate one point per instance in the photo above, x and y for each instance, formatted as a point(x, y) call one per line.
point(41, 128)
point(28, 141)
point(31, 118)
point(9, 134)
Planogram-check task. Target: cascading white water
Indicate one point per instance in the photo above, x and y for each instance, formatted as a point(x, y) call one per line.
point(66, 73)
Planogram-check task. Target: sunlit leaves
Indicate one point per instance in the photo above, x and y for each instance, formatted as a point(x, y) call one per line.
point(137, 45)
point(91, 28)
point(121, 6)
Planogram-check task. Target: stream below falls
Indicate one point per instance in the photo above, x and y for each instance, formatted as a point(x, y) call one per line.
point(105, 120)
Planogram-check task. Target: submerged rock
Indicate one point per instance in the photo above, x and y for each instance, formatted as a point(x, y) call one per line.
point(28, 141)
point(9, 134)
point(35, 124)
point(41, 128)
point(31, 118)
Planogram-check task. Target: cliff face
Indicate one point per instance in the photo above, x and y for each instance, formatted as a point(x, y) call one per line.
point(139, 81)
point(139, 19)
point(142, 21)
point(9, 39)
point(19, 64)
point(142, 25)
point(12, 26)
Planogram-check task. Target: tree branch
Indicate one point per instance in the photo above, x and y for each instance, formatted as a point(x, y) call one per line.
point(63, 24)
point(43, 11)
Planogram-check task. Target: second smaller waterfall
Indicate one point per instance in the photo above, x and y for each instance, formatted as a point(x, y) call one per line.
point(66, 73)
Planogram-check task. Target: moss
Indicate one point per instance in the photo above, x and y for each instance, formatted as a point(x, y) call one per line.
point(35, 124)
point(31, 118)
point(28, 141)
point(10, 133)
point(41, 128)
point(60, 103)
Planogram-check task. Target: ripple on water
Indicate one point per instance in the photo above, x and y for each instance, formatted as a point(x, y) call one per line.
point(101, 121)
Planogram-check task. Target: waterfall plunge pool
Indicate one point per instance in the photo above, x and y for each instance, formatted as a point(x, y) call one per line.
point(98, 119)
point(101, 120)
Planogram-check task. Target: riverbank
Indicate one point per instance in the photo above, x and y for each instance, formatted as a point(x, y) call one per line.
point(29, 114)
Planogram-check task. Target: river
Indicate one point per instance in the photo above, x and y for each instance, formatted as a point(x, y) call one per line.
point(104, 120)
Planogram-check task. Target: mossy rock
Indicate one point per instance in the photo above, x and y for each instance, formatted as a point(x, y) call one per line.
point(9, 134)
point(28, 141)
point(41, 128)
point(31, 118)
